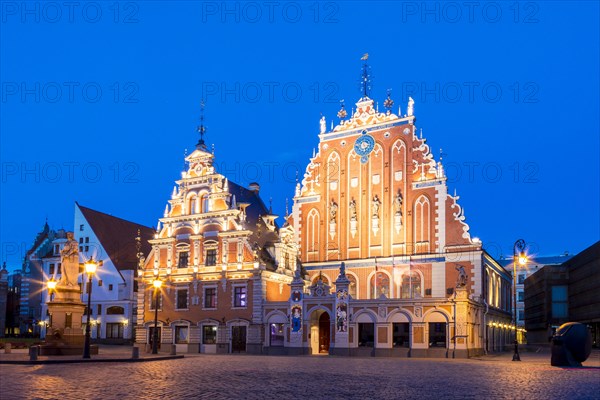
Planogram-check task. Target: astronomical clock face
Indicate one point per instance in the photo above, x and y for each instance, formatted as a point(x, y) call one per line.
point(364, 146)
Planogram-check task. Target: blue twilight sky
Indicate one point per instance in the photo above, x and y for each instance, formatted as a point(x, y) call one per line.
point(101, 99)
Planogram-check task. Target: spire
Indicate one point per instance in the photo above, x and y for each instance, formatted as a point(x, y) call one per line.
point(201, 129)
point(365, 79)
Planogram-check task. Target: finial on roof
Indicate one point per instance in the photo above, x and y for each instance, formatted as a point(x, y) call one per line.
point(421, 133)
point(270, 205)
point(365, 79)
point(411, 106)
point(201, 129)
point(287, 209)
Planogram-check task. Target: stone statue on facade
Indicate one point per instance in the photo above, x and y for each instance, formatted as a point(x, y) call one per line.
point(352, 210)
point(461, 281)
point(376, 205)
point(398, 204)
point(323, 124)
point(69, 257)
point(333, 207)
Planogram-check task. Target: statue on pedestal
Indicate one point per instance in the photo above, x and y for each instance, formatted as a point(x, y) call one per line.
point(69, 257)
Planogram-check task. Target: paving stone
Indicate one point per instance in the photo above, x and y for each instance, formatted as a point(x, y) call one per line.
point(271, 377)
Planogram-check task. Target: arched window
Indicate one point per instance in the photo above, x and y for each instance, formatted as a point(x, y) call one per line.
point(353, 287)
point(411, 285)
point(323, 277)
point(312, 235)
point(204, 203)
point(193, 207)
point(115, 310)
point(380, 285)
point(422, 223)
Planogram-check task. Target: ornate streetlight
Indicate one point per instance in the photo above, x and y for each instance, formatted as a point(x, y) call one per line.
point(51, 288)
point(157, 284)
point(520, 257)
point(90, 269)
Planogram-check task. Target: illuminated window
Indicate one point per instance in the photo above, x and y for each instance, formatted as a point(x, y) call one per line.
point(276, 331)
point(181, 334)
point(239, 296)
point(209, 334)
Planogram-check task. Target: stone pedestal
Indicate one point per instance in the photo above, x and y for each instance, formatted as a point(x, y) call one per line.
point(65, 335)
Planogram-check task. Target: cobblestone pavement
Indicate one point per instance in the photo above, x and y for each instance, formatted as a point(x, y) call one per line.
point(264, 377)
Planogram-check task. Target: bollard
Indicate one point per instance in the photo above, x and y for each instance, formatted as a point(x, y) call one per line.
point(135, 352)
point(33, 353)
point(7, 348)
point(173, 349)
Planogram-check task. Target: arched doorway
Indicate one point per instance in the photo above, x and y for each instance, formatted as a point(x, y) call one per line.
point(324, 332)
point(320, 331)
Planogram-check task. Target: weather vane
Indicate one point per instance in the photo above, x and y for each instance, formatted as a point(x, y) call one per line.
point(365, 80)
point(201, 128)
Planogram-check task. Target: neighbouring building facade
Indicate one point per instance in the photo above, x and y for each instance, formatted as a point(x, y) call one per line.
point(568, 292)
point(111, 241)
point(375, 258)
point(3, 298)
point(220, 256)
point(533, 265)
point(31, 283)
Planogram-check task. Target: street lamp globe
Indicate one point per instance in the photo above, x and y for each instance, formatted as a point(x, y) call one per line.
point(52, 284)
point(157, 283)
point(522, 259)
point(90, 266)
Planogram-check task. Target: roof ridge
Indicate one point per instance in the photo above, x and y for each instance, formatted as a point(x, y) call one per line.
point(112, 216)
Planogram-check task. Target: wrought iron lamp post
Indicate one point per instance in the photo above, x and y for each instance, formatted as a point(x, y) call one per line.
point(520, 257)
point(90, 269)
point(157, 284)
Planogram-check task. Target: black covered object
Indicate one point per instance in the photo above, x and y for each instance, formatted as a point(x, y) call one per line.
point(571, 345)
